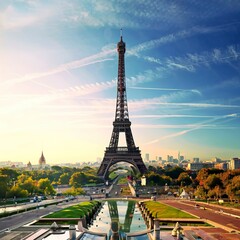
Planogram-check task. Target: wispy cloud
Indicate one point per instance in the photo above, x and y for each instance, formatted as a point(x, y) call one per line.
point(97, 58)
point(148, 45)
point(190, 61)
point(196, 127)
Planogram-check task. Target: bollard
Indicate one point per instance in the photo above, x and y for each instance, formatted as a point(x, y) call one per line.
point(72, 232)
point(156, 233)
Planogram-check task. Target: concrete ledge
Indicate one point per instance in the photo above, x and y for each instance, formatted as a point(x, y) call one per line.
point(140, 233)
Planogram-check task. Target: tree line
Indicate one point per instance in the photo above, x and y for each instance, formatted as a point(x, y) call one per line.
point(206, 183)
point(22, 183)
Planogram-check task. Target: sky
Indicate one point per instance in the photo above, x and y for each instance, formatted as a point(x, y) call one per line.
point(58, 71)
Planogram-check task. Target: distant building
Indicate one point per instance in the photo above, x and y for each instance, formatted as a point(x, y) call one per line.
point(169, 158)
point(180, 158)
point(196, 160)
point(29, 166)
point(42, 161)
point(234, 163)
point(198, 166)
point(146, 157)
point(217, 160)
point(222, 165)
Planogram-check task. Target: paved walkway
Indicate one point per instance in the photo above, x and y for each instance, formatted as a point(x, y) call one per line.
point(217, 218)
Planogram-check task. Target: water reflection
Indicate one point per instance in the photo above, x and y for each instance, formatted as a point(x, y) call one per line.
point(117, 218)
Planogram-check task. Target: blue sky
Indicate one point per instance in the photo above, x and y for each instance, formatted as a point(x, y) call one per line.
point(58, 70)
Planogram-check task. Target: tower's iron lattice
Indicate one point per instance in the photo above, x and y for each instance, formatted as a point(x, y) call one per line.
point(114, 154)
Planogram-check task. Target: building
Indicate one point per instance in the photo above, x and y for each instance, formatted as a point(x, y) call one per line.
point(146, 157)
point(196, 160)
point(169, 158)
point(198, 166)
point(222, 165)
point(217, 160)
point(42, 162)
point(234, 163)
point(29, 166)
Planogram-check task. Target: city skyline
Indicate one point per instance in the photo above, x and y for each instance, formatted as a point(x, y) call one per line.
point(58, 77)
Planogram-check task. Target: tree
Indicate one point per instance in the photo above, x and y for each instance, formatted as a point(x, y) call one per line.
point(233, 189)
point(184, 179)
point(18, 192)
point(64, 178)
point(200, 193)
point(4, 185)
point(74, 191)
point(202, 176)
point(45, 186)
point(212, 181)
point(174, 172)
point(29, 184)
point(155, 179)
point(78, 179)
point(11, 173)
point(57, 168)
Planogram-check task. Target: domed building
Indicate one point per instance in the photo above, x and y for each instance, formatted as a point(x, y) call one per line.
point(42, 161)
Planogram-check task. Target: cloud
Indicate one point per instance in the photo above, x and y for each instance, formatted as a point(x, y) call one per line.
point(13, 17)
point(190, 61)
point(97, 58)
point(196, 127)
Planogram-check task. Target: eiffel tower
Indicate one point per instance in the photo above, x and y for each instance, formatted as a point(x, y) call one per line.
point(114, 154)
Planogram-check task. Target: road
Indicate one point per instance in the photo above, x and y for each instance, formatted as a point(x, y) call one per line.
point(20, 219)
point(27, 205)
point(211, 213)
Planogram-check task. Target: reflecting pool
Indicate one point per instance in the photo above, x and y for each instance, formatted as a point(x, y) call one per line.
point(118, 217)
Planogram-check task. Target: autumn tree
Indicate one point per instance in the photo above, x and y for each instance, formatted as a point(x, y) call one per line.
point(184, 179)
point(233, 189)
point(212, 181)
point(200, 192)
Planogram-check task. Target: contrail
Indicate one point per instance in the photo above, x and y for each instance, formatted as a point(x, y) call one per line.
point(199, 126)
point(97, 58)
point(167, 89)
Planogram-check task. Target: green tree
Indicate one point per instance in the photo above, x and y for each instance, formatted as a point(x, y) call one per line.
point(4, 185)
point(64, 178)
point(29, 184)
point(78, 179)
point(155, 179)
point(45, 186)
point(11, 174)
point(18, 192)
point(74, 191)
point(174, 172)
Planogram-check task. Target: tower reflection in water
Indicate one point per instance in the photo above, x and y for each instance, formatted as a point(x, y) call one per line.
point(118, 218)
